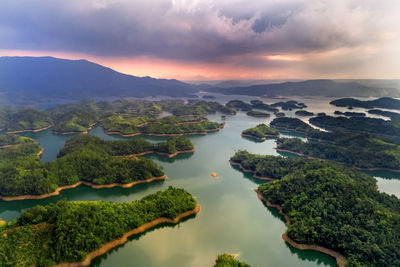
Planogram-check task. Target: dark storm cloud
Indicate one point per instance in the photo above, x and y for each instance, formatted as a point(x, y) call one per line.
point(188, 30)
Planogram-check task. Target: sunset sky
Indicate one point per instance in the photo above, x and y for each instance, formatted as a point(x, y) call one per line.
point(212, 40)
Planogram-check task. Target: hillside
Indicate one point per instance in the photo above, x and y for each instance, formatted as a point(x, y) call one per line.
point(34, 78)
point(310, 88)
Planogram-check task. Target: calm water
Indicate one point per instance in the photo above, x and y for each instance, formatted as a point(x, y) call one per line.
point(232, 219)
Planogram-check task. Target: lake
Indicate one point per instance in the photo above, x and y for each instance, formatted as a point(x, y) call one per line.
point(232, 219)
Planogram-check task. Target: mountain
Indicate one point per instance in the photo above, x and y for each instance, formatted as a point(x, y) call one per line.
point(310, 88)
point(38, 78)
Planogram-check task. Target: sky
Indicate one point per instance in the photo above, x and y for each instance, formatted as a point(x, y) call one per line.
point(212, 40)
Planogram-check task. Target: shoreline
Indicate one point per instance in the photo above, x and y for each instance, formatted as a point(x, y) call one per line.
point(159, 153)
point(32, 130)
point(120, 241)
point(262, 139)
point(77, 132)
point(338, 162)
point(95, 186)
point(39, 154)
point(340, 259)
point(252, 172)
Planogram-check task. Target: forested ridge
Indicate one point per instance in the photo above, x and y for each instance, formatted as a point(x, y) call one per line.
point(67, 231)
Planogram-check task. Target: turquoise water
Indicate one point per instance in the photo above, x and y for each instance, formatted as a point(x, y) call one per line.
point(232, 219)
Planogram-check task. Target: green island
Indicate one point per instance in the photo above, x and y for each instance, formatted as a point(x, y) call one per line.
point(360, 151)
point(350, 114)
point(260, 132)
point(383, 102)
point(261, 105)
point(330, 208)
point(78, 231)
point(304, 113)
point(136, 147)
point(359, 124)
point(84, 160)
point(171, 125)
point(254, 113)
point(226, 260)
point(364, 151)
point(239, 105)
point(26, 120)
point(389, 114)
point(289, 105)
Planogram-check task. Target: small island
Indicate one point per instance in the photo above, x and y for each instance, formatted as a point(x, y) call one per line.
point(389, 114)
point(257, 114)
point(226, 260)
point(304, 113)
point(260, 132)
point(261, 105)
point(289, 105)
point(77, 232)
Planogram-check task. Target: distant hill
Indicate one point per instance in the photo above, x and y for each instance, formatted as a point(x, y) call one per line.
point(384, 102)
point(29, 80)
point(310, 88)
point(34, 78)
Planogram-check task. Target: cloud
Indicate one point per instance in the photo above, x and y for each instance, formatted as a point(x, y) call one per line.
point(254, 33)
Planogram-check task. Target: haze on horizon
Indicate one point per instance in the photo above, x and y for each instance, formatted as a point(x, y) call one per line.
point(212, 40)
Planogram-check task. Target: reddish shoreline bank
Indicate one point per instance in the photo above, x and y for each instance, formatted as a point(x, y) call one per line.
point(57, 191)
point(250, 171)
point(160, 153)
point(340, 259)
point(28, 131)
point(110, 245)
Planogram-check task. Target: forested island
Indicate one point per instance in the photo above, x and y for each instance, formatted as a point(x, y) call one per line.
point(84, 160)
point(383, 102)
point(171, 125)
point(260, 132)
point(225, 260)
point(78, 231)
point(304, 113)
point(359, 124)
point(136, 147)
point(330, 208)
point(389, 114)
point(258, 114)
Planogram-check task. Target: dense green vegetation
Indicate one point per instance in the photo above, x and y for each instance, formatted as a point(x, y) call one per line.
point(361, 151)
point(259, 114)
point(289, 105)
point(338, 208)
point(22, 173)
point(125, 147)
point(68, 231)
point(292, 124)
point(260, 105)
point(261, 131)
point(127, 116)
point(26, 119)
point(359, 124)
point(267, 166)
point(392, 115)
point(350, 114)
point(74, 118)
point(239, 105)
point(304, 113)
point(384, 102)
point(225, 260)
point(13, 139)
